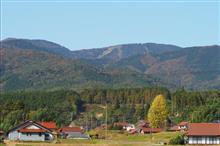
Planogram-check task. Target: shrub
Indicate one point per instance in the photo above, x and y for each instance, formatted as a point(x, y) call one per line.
point(178, 140)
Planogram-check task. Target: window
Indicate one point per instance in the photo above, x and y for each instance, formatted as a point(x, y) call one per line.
point(199, 140)
point(40, 134)
point(213, 140)
point(28, 134)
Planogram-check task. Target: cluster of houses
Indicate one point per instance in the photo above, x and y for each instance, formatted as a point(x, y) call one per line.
point(142, 127)
point(197, 133)
point(43, 131)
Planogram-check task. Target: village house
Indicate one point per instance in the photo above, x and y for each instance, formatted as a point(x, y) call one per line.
point(182, 126)
point(130, 127)
point(121, 124)
point(30, 131)
point(72, 133)
point(143, 123)
point(143, 127)
point(125, 126)
point(149, 130)
point(50, 125)
point(203, 133)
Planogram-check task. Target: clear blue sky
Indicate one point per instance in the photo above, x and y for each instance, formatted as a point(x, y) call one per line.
point(82, 25)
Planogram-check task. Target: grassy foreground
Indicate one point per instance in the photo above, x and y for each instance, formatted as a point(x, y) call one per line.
point(114, 138)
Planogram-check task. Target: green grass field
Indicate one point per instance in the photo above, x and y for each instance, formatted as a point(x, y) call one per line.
point(114, 138)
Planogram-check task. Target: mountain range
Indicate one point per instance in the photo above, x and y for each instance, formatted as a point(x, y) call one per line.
point(43, 65)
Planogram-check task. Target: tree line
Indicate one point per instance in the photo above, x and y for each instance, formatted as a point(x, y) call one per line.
point(131, 105)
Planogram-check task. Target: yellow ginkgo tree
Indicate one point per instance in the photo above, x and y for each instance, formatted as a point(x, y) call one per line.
point(158, 112)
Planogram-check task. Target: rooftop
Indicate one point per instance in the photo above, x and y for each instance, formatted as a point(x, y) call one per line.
point(184, 123)
point(204, 129)
point(70, 129)
point(49, 125)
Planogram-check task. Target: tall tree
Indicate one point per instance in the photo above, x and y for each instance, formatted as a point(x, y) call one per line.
point(158, 112)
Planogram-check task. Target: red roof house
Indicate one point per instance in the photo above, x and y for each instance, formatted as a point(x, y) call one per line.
point(30, 131)
point(182, 126)
point(70, 129)
point(143, 123)
point(49, 125)
point(73, 133)
point(203, 133)
point(145, 130)
point(122, 124)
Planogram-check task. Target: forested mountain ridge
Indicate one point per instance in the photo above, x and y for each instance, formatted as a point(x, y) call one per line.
point(38, 45)
point(43, 65)
point(118, 52)
point(38, 70)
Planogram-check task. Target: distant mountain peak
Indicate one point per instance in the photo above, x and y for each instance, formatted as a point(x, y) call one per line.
point(35, 44)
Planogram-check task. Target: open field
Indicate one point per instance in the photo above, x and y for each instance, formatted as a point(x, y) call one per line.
point(113, 139)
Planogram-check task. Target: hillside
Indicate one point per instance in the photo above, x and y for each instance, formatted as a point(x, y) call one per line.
point(194, 67)
point(30, 69)
point(43, 65)
point(38, 45)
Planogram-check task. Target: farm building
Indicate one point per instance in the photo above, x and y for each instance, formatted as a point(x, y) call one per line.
point(72, 133)
point(121, 124)
point(182, 126)
point(30, 131)
point(125, 126)
point(143, 123)
point(149, 130)
point(203, 133)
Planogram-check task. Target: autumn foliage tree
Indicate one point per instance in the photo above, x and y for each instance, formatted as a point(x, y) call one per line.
point(158, 112)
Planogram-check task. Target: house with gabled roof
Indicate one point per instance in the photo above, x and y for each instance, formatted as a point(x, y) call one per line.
point(50, 125)
point(203, 133)
point(149, 130)
point(30, 131)
point(73, 133)
point(182, 126)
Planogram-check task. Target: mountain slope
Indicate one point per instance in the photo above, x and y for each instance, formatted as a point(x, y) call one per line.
point(30, 69)
point(43, 65)
point(193, 67)
point(38, 45)
point(112, 54)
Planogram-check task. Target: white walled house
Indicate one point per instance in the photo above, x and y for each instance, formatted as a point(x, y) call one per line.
point(182, 126)
point(130, 127)
point(203, 133)
point(30, 131)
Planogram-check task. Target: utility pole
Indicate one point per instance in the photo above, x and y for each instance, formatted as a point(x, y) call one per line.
point(91, 121)
point(106, 121)
point(86, 124)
